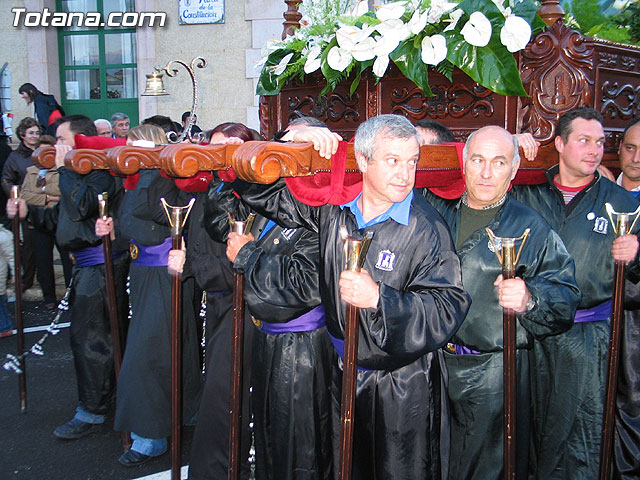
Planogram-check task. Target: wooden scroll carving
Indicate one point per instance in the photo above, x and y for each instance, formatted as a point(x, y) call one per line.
point(45, 156)
point(84, 160)
point(126, 160)
point(557, 71)
point(291, 17)
point(260, 162)
point(185, 160)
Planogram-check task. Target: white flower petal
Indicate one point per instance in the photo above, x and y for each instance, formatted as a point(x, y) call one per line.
point(312, 64)
point(453, 19)
point(477, 31)
point(385, 45)
point(391, 11)
point(439, 8)
point(418, 22)
point(281, 67)
point(339, 58)
point(363, 51)
point(515, 33)
point(380, 65)
point(394, 28)
point(360, 9)
point(434, 49)
point(346, 36)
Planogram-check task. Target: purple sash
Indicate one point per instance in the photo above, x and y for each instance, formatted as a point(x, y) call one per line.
point(312, 320)
point(461, 349)
point(91, 256)
point(152, 255)
point(594, 314)
point(88, 257)
point(338, 345)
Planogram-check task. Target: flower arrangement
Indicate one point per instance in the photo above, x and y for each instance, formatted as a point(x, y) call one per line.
point(343, 40)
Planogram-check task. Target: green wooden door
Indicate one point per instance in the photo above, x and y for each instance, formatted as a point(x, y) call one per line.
point(98, 69)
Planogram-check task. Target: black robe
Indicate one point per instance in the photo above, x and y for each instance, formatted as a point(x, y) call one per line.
point(401, 423)
point(569, 370)
point(290, 371)
point(476, 380)
point(144, 386)
point(73, 220)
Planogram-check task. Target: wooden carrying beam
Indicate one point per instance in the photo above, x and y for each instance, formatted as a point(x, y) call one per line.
point(259, 162)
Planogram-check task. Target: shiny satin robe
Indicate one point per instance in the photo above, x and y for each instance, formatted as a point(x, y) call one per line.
point(476, 380)
point(289, 372)
point(401, 419)
point(570, 369)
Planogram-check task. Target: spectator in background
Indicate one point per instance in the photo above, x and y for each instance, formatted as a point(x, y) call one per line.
point(120, 125)
point(103, 126)
point(13, 173)
point(40, 188)
point(185, 118)
point(46, 108)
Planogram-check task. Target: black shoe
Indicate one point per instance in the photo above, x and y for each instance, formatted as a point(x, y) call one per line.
point(75, 429)
point(132, 458)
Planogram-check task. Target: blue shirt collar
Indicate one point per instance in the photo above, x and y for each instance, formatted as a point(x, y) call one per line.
point(398, 212)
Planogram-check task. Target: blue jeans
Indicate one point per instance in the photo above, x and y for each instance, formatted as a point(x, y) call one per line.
point(88, 417)
point(148, 446)
point(5, 319)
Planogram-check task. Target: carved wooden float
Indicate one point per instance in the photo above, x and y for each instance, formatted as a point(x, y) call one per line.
point(260, 162)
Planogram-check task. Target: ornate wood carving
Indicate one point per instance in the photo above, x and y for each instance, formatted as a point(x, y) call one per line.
point(185, 160)
point(620, 100)
point(44, 156)
point(84, 160)
point(456, 101)
point(291, 17)
point(550, 11)
point(128, 160)
point(333, 107)
point(264, 111)
point(557, 71)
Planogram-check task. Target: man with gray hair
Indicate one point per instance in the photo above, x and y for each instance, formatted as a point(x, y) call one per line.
point(103, 126)
point(120, 125)
point(544, 296)
point(409, 297)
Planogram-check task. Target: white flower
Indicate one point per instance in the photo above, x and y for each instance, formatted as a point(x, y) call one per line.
point(348, 35)
point(499, 4)
point(363, 51)
point(477, 31)
point(434, 49)
point(453, 19)
point(394, 28)
point(515, 33)
point(418, 22)
point(390, 11)
point(314, 59)
point(385, 45)
point(360, 9)
point(439, 8)
point(278, 69)
point(339, 58)
point(380, 65)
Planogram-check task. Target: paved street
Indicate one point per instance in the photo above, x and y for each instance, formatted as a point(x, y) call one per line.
point(28, 449)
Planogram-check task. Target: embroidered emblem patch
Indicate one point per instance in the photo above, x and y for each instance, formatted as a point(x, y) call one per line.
point(133, 250)
point(288, 233)
point(385, 260)
point(498, 245)
point(601, 225)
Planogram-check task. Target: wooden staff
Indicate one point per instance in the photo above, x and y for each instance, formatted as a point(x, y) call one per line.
point(22, 376)
point(177, 217)
point(114, 322)
point(615, 332)
point(505, 249)
point(237, 344)
point(355, 252)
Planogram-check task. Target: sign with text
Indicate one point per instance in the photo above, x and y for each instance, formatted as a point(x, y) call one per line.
point(201, 11)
